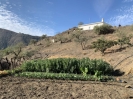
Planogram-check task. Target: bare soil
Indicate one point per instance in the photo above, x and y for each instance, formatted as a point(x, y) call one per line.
point(24, 88)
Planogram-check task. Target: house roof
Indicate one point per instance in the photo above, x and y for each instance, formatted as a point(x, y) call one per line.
point(92, 23)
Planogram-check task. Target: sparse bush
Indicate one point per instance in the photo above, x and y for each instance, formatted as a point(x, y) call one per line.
point(29, 53)
point(63, 39)
point(48, 43)
point(6, 51)
point(33, 41)
point(103, 29)
point(123, 39)
point(78, 37)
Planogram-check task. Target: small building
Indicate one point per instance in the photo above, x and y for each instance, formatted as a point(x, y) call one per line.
point(91, 25)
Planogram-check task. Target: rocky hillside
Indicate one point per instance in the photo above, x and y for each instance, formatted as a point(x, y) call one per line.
point(9, 38)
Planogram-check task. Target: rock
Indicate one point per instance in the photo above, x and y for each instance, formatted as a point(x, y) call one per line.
point(128, 86)
point(130, 96)
point(120, 80)
point(2, 97)
point(123, 81)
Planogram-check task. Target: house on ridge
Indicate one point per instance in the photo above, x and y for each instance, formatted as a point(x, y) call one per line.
point(91, 25)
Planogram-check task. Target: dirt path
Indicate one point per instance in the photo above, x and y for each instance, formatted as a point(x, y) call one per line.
point(23, 88)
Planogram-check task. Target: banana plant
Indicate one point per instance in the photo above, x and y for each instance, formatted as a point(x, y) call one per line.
point(84, 71)
point(98, 75)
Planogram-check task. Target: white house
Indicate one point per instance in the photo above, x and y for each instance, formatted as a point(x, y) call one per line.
point(91, 25)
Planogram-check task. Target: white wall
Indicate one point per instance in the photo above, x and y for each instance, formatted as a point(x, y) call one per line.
point(90, 26)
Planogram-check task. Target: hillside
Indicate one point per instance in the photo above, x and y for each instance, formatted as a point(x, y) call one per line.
point(122, 60)
point(9, 38)
point(65, 46)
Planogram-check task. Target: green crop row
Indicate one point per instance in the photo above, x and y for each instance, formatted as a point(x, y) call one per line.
point(68, 65)
point(62, 76)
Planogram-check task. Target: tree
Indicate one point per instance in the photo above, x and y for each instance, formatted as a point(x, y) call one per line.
point(80, 23)
point(102, 45)
point(80, 38)
point(43, 37)
point(17, 49)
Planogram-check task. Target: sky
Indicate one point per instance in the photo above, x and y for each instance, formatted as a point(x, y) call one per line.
point(40, 17)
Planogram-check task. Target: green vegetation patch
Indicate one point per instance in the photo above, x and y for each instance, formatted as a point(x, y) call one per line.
point(68, 65)
point(63, 76)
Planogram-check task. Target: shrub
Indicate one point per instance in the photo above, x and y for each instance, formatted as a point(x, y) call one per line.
point(43, 37)
point(48, 43)
point(124, 39)
point(63, 39)
point(103, 29)
point(29, 53)
point(33, 41)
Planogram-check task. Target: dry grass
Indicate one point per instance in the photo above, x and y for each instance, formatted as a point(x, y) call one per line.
point(3, 73)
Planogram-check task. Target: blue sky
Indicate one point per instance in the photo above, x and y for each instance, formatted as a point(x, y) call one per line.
point(38, 17)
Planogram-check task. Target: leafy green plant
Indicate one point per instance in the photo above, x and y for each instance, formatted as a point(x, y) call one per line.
point(84, 71)
point(62, 76)
point(98, 75)
point(14, 71)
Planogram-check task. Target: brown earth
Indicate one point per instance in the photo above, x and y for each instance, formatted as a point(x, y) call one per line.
point(24, 88)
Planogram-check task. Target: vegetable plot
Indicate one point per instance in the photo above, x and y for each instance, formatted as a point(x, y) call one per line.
point(68, 65)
